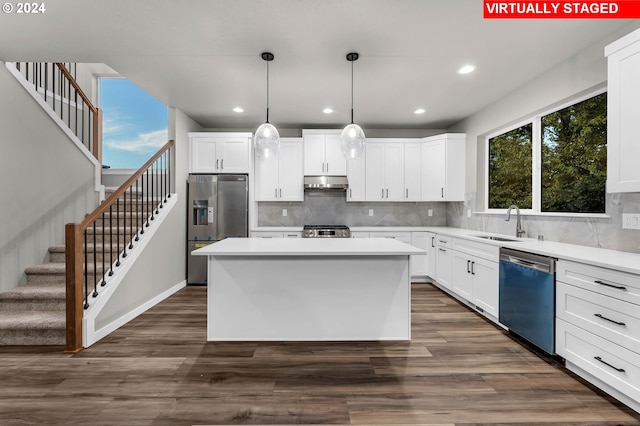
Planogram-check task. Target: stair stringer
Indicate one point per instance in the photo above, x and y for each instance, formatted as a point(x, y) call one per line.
point(91, 334)
point(30, 88)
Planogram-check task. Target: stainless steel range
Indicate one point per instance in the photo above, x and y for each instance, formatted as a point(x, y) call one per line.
point(326, 231)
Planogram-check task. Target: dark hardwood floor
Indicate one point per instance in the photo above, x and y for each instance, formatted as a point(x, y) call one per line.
point(158, 370)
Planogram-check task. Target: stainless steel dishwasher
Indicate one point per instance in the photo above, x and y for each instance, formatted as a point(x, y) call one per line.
point(528, 296)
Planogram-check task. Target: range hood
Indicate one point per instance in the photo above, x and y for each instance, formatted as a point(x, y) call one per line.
point(326, 182)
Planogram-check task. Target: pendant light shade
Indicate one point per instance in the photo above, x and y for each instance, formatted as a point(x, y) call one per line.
point(266, 140)
point(352, 138)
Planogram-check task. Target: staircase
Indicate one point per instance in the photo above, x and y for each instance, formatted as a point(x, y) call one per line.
point(35, 313)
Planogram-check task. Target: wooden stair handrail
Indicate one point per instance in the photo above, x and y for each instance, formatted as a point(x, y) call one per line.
point(75, 250)
point(76, 86)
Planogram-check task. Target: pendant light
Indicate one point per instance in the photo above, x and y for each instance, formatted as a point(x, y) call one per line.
point(266, 141)
point(352, 136)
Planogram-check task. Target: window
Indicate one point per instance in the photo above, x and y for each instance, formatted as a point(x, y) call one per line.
point(510, 169)
point(556, 163)
point(134, 124)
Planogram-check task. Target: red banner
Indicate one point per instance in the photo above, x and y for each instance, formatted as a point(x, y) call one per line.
point(622, 9)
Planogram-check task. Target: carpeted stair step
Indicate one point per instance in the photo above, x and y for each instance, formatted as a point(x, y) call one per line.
point(52, 273)
point(32, 328)
point(34, 297)
point(57, 253)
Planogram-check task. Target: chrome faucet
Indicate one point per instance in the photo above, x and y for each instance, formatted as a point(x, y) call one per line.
point(519, 230)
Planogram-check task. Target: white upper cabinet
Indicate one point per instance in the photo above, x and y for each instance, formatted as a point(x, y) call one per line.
point(412, 171)
point(357, 179)
point(443, 167)
point(280, 178)
point(219, 152)
point(322, 153)
point(384, 170)
point(623, 113)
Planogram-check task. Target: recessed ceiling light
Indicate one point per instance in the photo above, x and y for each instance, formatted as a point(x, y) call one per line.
point(466, 69)
point(420, 111)
point(328, 111)
point(238, 109)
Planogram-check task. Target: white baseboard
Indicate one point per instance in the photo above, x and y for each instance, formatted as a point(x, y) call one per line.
point(92, 336)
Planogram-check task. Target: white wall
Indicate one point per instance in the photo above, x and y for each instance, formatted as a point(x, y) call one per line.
point(45, 182)
point(162, 265)
point(580, 74)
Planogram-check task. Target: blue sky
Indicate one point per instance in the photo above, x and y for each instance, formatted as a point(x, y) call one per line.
point(134, 124)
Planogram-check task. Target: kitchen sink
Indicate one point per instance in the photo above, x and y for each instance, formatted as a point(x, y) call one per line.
point(495, 238)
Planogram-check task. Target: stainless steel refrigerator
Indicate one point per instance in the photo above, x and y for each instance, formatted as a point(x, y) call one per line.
point(217, 208)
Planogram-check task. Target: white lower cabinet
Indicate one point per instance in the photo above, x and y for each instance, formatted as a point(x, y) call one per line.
point(417, 239)
point(444, 261)
point(431, 255)
point(598, 327)
point(419, 261)
point(474, 278)
point(267, 234)
point(359, 234)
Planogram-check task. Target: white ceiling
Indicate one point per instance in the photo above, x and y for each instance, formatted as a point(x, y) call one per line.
point(203, 56)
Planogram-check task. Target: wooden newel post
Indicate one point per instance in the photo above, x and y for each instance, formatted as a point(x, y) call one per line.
point(74, 292)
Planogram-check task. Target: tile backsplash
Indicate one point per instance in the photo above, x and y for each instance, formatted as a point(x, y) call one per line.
point(588, 231)
point(332, 208)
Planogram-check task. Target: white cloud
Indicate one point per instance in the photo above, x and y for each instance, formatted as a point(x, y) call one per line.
point(145, 142)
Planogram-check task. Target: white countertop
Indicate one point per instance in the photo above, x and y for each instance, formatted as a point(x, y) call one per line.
point(606, 258)
point(308, 247)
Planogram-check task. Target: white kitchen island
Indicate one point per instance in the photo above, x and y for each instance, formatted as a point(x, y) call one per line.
point(287, 289)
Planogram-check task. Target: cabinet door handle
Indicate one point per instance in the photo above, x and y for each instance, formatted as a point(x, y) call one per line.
point(280, 192)
point(406, 192)
point(610, 320)
point(350, 193)
point(618, 287)
point(276, 192)
point(387, 192)
point(323, 167)
point(382, 194)
point(222, 164)
point(442, 192)
point(468, 263)
point(619, 370)
point(433, 240)
point(327, 167)
point(473, 268)
point(217, 161)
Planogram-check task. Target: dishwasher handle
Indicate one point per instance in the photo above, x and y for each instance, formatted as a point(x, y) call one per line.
point(539, 263)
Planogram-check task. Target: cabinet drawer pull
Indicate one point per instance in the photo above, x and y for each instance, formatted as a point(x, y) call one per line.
point(620, 370)
point(618, 287)
point(443, 241)
point(610, 320)
point(441, 249)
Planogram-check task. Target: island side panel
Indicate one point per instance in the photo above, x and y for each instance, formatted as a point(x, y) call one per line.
point(309, 298)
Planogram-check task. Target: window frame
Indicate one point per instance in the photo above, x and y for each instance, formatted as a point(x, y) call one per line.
point(536, 159)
